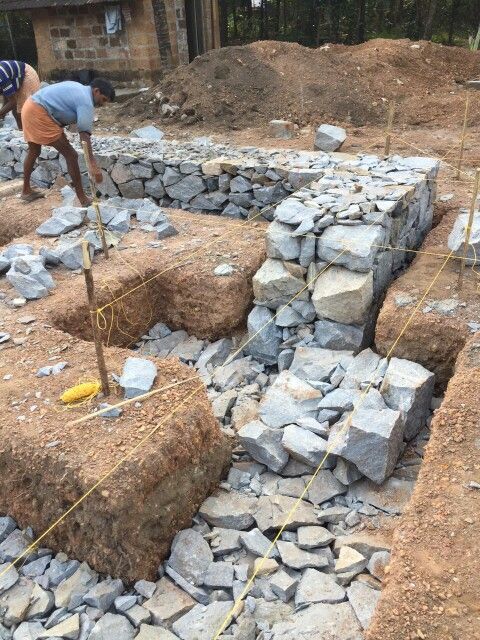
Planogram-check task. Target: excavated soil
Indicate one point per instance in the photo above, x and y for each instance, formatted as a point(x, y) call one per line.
point(433, 582)
point(46, 463)
point(236, 86)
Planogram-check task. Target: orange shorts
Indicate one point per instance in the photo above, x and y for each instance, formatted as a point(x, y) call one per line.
point(38, 126)
point(29, 86)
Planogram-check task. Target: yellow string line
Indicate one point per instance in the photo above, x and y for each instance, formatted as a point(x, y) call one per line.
point(330, 448)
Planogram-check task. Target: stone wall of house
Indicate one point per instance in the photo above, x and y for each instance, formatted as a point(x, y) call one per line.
point(72, 38)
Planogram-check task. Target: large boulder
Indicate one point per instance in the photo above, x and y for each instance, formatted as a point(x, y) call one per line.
point(320, 621)
point(280, 243)
point(456, 239)
point(264, 444)
point(288, 399)
point(408, 387)
point(316, 365)
point(372, 442)
point(329, 138)
point(274, 285)
point(343, 296)
point(354, 247)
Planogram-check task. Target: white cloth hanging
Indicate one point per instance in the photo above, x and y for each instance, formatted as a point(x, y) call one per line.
point(113, 19)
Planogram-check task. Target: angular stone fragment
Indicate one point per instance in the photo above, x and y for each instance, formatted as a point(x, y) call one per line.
point(137, 377)
point(362, 371)
point(304, 445)
point(292, 211)
point(408, 387)
point(264, 336)
point(229, 510)
point(313, 537)
point(457, 237)
point(364, 543)
point(14, 545)
point(8, 576)
point(392, 496)
point(255, 542)
point(190, 556)
point(320, 621)
point(334, 335)
point(324, 487)
point(343, 296)
point(370, 430)
point(197, 593)
point(25, 631)
point(298, 559)
point(281, 129)
point(202, 622)
point(149, 132)
point(219, 575)
point(71, 591)
point(353, 247)
point(149, 632)
point(68, 629)
point(350, 560)
point(186, 189)
point(29, 277)
point(329, 137)
point(112, 625)
point(168, 603)
point(274, 511)
point(280, 243)
point(287, 399)
point(274, 285)
point(138, 615)
point(346, 472)
point(318, 587)
point(264, 444)
point(283, 585)
point(363, 600)
point(377, 563)
point(102, 595)
point(315, 365)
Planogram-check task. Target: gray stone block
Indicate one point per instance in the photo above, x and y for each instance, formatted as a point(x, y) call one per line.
point(353, 247)
point(343, 296)
point(329, 137)
point(190, 556)
point(370, 430)
point(288, 399)
point(335, 335)
point(264, 336)
point(137, 377)
point(28, 276)
point(274, 285)
point(408, 387)
point(264, 444)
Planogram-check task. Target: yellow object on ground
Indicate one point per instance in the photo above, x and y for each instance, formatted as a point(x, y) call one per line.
point(81, 392)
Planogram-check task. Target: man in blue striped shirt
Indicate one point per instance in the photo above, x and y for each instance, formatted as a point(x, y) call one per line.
point(18, 81)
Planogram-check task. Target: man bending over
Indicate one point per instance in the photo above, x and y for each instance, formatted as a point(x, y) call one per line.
point(46, 113)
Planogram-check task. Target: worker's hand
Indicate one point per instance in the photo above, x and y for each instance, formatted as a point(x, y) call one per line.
point(97, 173)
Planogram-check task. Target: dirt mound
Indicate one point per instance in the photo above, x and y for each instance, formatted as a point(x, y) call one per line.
point(236, 87)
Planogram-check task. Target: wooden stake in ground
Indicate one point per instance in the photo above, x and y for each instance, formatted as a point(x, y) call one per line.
point(388, 139)
point(92, 305)
point(468, 229)
point(101, 230)
point(462, 139)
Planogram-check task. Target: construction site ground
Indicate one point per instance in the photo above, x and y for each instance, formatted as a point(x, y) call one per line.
point(433, 581)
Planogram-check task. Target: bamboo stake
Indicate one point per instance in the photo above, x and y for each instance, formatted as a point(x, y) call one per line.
point(92, 305)
point(388, 139)
point(462, 139)
point(468, 229)
point(101, 230)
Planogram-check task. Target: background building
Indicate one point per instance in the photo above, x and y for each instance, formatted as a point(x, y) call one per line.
point(123, 39)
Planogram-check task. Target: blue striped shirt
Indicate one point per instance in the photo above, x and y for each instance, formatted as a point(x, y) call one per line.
point(12, 73)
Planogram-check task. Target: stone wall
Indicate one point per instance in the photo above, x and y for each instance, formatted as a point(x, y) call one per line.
point(72, 38)
point(361, 212)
